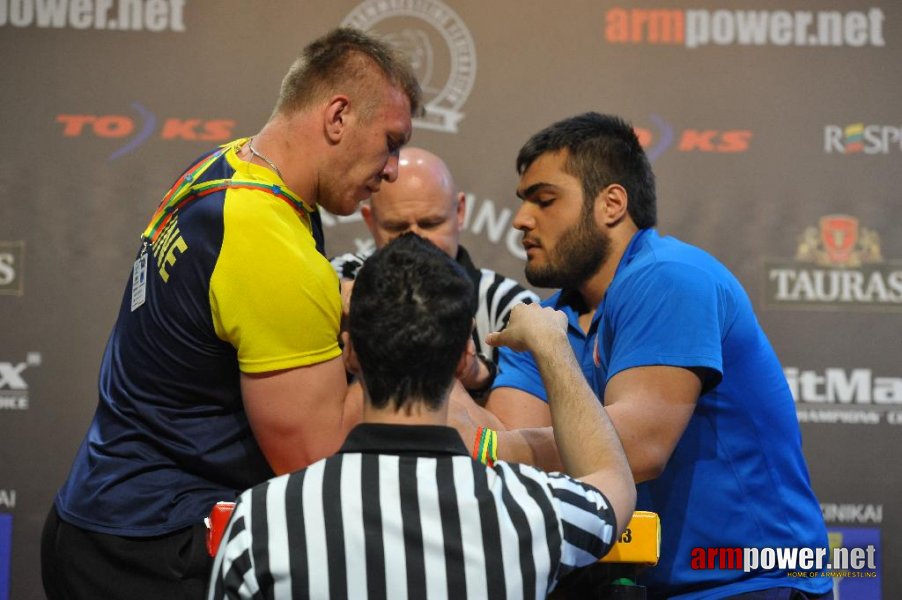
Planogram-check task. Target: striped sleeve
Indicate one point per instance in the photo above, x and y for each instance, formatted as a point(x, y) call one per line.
point(234, 573)
point(497, 297)
point(528, 505)
point(587, 518)
point(347, 265)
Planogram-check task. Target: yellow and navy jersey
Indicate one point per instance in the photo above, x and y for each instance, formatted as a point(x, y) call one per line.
point(235, 281)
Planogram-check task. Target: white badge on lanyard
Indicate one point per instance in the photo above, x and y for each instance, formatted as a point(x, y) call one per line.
point(139, 280)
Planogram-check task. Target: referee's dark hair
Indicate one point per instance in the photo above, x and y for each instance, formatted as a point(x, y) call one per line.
point(410, 319)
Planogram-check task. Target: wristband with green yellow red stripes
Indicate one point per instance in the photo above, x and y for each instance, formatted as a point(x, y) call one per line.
point(485, 447)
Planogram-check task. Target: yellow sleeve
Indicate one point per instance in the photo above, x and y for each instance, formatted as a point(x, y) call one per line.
point(272, 295)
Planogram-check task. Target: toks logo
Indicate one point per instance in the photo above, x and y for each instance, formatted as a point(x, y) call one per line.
point(656, 141)
point(859, 138)
point(838, 264)
point(137, 130)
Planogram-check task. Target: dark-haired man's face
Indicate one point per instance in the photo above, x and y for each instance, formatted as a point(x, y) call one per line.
point(564, 245)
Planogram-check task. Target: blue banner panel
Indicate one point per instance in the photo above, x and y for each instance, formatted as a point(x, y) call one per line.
point(6, 547)
point(859, 583)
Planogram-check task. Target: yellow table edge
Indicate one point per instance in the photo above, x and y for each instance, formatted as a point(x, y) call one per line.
point(640, 542)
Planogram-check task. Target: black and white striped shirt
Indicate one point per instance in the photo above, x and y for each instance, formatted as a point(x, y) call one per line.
point(404, 512)
point(496, 294)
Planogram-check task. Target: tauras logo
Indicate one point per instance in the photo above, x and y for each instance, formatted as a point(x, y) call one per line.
point(12, 256)
point(838, 264)
point(858, 387)
point(440, 49)
point(13, 385)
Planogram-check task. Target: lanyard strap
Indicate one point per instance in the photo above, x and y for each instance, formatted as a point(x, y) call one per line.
point(185, 191)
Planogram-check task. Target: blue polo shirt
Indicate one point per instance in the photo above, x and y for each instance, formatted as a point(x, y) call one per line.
point(737, 477)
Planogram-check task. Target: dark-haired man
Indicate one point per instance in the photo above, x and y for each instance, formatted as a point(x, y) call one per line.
point(669, 341)
point(224, 367)
point(403, 511)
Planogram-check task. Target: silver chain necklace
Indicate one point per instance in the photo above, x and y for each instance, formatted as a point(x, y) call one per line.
point(250, 146)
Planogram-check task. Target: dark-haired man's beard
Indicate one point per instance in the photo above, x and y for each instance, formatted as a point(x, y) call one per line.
point(577, 256)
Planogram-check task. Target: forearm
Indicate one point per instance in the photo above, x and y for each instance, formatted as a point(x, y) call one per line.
point(535, 447)
point(528, 446)
point(651, 407)
point(588, 444)
point(586, 440)
point(468, 411)
point(585, 437)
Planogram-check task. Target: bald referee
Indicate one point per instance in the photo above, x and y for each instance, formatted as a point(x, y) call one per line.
point(403, 510)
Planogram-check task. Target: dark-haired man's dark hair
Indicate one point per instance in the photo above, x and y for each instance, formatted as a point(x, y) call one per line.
point(601, 150)
point(343, 61)
point(410, 319)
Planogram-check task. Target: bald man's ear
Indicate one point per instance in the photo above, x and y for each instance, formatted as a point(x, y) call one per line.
point(461, 210)
point(335, 118)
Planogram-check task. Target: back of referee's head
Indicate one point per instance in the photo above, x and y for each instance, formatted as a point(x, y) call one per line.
point(410, 319)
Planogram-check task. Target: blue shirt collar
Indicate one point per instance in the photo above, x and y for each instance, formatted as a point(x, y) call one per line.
point(570, 302)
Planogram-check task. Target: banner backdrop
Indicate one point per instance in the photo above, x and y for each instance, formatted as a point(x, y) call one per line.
point(774, 127)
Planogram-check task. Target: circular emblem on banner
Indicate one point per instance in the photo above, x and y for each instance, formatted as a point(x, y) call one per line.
point(440, 49)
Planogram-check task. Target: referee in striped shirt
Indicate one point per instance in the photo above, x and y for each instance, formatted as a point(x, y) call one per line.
point(403, 510)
